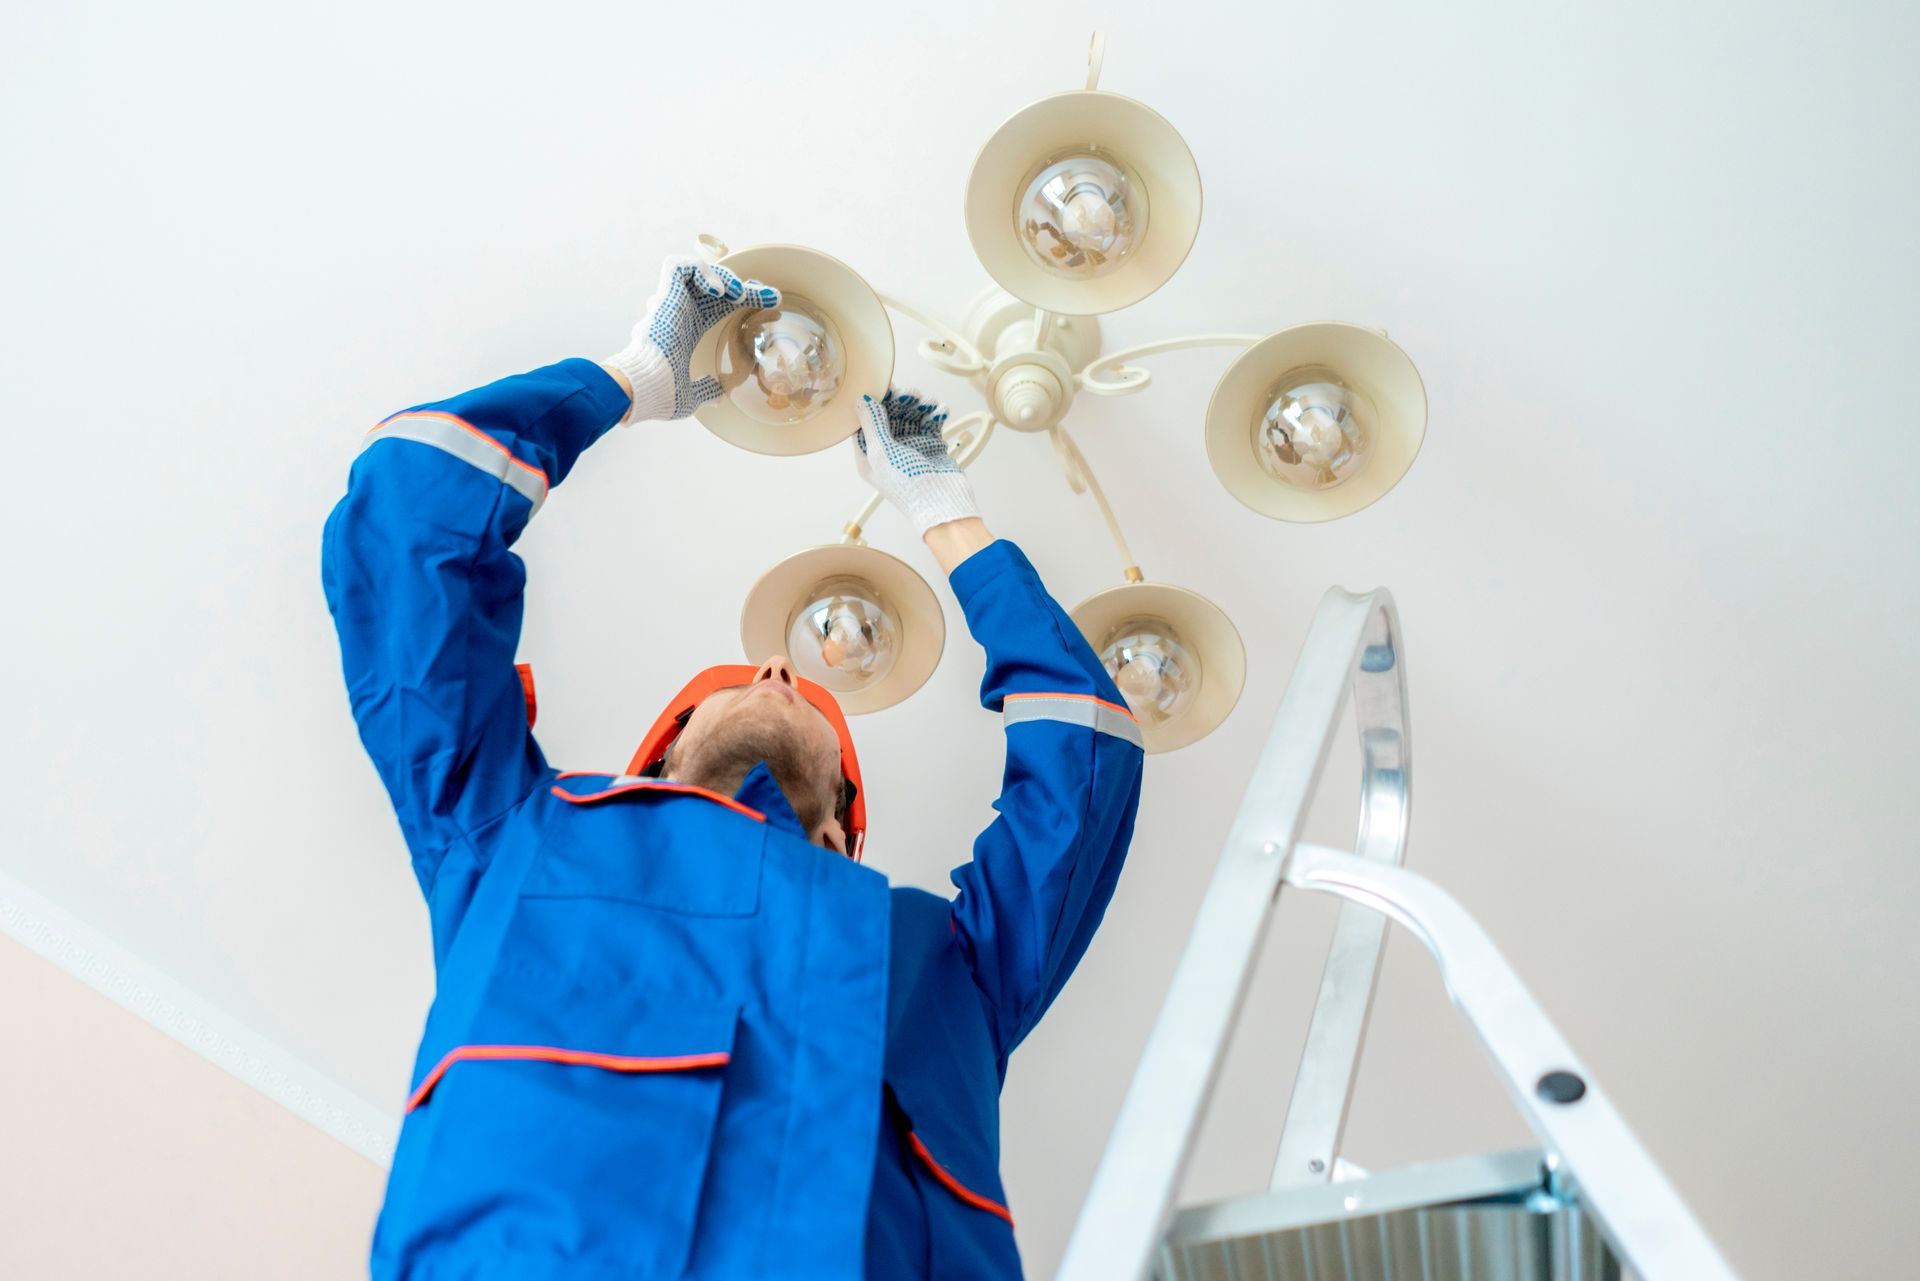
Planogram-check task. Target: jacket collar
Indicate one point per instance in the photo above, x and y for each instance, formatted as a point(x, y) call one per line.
point(759, 797)
point(759, 791)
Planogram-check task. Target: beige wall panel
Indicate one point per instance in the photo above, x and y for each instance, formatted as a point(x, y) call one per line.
point(125, 1154)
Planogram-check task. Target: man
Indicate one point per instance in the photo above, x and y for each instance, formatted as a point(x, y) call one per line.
point(679, 1030)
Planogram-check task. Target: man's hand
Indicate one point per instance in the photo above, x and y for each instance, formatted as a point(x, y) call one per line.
point(901, 454)
point(691, 298)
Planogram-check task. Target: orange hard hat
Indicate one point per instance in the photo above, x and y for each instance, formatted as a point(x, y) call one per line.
point(671, 721)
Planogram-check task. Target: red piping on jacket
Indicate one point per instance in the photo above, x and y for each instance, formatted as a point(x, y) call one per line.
point(462, 423)
point(956, 1187)
point(553, 1054)
point(1086, 698)
point(526, 691)
point(650, 786)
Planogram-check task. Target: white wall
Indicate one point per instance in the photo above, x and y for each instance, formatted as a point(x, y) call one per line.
point(1657, 562)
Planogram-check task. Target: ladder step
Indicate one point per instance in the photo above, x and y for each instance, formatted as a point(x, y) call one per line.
point(1482, 1218)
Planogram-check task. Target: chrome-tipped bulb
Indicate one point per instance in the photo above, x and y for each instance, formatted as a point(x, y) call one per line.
point(844, 637)
point(1077, 215)
point(1316, 431)
point(1153, 667)
point(782, 364)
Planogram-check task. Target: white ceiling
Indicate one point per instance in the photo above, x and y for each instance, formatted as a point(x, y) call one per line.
point(1658, 563)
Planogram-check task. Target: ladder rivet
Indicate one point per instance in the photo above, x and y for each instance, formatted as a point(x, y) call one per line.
point(1269, 848)
point(1560, 1087)
point(1316, 1165)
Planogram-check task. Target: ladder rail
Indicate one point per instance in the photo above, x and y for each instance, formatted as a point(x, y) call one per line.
point(1336, 1032)
point(1588, 1144)
point(1353, 643)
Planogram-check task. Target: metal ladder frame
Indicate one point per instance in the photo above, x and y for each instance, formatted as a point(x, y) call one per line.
point(1355, 644)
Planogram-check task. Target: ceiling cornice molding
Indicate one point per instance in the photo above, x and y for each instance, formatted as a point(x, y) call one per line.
point(196, 1022)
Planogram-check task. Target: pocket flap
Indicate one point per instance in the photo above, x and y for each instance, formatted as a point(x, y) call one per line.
point(675, 1040)
point(948, 1180)
point(587, 1151)
point(961, 1166)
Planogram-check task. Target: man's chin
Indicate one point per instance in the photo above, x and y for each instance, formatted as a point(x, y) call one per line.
point(760, 718)
point(749, 734)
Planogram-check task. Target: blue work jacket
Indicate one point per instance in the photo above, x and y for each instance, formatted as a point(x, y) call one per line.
point(670, 1036)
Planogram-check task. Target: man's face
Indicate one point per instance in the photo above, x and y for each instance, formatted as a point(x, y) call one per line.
point(766, 719)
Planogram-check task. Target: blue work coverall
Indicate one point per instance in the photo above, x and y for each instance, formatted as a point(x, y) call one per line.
point(670, 1036)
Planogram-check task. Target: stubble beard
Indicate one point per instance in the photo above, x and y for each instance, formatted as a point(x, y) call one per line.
point(723, 757)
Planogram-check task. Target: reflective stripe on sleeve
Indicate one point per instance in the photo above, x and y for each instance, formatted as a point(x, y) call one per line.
point(1075, 709)
point(469, 444)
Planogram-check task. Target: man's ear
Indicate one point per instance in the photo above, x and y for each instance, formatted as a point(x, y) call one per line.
point(831, 835)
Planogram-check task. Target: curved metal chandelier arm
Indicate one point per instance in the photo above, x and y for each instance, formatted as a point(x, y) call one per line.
point(1082, 480)
point(1043, 322)
point(1110, 376)
point(966, 438)
point(854, 532)
point(951, 351)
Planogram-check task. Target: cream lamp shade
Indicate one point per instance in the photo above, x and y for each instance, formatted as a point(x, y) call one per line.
point(1175, 656)
point(1083, 203)
point(851, 618)
point(792, 376)
point(1317, 421)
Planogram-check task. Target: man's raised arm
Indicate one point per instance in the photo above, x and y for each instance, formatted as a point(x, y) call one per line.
point(1043, 871)
point(425, 591)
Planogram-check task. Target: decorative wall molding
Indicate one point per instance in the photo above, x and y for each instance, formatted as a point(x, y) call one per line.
point(196, 1022)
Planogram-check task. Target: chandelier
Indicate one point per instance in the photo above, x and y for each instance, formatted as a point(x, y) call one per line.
point(1079, 204)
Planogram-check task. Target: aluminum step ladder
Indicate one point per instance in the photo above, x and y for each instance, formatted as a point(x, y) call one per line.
point(1588, 1204)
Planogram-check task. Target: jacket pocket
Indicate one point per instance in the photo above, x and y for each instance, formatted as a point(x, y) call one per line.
point(586, 1147)
point(655, 850)
point(967, 1182)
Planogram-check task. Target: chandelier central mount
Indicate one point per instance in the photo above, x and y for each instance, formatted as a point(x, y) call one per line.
point(1029, 382)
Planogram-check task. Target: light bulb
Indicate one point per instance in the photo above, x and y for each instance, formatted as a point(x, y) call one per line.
point(844, 637)
point(1157, 674)
point(1081, 214)
point(782, 364)
point(1316, 432)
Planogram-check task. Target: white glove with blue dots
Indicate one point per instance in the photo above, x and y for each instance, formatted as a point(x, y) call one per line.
point(691, 298)
point(902, 454)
